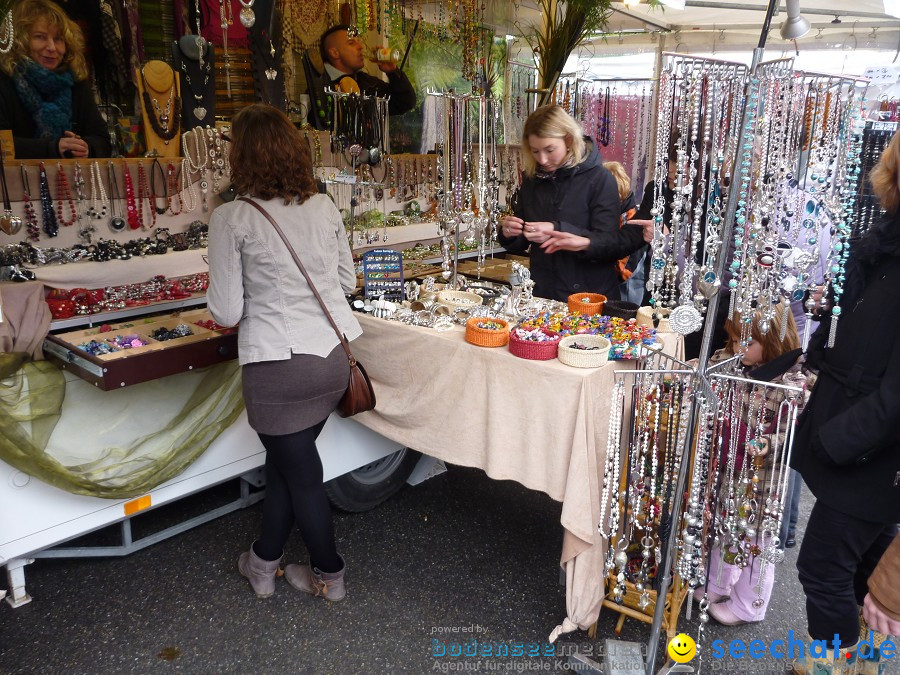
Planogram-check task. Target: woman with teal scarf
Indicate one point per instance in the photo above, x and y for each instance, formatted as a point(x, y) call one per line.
point(45, 97)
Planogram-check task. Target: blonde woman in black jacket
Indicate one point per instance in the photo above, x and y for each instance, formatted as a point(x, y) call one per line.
point(567, 215)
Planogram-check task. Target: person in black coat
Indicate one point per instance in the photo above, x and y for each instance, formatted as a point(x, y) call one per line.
point(45, 97)
point(567, 212)
point(847, 444)
point(342, 56)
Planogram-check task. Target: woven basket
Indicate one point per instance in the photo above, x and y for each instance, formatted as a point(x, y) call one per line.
point(534, 351)
point(581, 358)
point(621, 309)
point(645, 317)
point(459, 299)
point(594, 304)
point(484, 337)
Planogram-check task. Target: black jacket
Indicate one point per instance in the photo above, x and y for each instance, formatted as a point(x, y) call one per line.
point(584, 200)
point(847, 445)
point(86, 122)
point(398, 87)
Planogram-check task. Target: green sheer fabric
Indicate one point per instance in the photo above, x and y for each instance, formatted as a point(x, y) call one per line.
point(176, 419)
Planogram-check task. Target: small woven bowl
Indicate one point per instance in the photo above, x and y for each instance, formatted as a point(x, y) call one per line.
point(621, 309)
point(645, 317)
point(581, 358)
point(459, 299)
point(534, 351)
point(586, 303)
point(484, 337)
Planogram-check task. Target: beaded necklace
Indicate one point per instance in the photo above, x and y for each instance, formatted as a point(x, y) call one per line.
point(31, 221)
point(131, 202)
point(48, 215)
point(143, 193)
point(187, 185)
point(64, 193)
point(174, 193)
point(99, 202)
point(165, 122)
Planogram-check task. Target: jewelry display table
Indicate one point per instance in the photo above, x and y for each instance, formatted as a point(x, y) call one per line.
point(540, 423)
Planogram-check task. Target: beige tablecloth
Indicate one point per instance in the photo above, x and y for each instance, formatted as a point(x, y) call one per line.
point(540, 423)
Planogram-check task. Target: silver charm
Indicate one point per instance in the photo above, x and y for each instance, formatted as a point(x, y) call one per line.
point(200, 112)
point(271, 74)
point(685, 319)
point(9, 223)
point(248, 16)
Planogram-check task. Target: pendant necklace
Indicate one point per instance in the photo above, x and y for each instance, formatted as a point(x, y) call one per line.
point(199, 110)
point(166, 122)
point(247, 15)
point(116, 222)
point(9, 223)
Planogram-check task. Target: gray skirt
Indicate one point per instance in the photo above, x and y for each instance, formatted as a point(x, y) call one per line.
point(283, 397)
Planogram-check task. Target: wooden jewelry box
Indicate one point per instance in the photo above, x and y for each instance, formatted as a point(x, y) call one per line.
point(124, 367)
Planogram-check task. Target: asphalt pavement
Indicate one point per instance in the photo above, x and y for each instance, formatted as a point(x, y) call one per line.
point(458, 558)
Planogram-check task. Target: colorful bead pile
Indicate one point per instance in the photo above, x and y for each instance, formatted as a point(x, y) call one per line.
point(626, 335)
point(162, 334)
point(128, 341)
point(96, 348)
point(487, 324)
point(534, 335)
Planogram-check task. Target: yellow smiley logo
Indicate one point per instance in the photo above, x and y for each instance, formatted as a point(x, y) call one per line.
point(682, 648)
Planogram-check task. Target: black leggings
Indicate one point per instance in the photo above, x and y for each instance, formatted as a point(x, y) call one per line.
point(838, 554)
point(295, 493)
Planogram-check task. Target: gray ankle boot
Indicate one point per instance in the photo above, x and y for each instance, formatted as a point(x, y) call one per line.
point(261, 573)
point(330, 585)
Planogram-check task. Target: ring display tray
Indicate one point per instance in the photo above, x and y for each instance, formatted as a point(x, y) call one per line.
point(124, 367)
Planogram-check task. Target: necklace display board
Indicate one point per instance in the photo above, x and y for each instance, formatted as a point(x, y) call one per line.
point(160, 91)
point(383, 274)
point(195, 61)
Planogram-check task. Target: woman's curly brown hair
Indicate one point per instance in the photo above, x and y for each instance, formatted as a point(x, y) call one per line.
point(269, 156)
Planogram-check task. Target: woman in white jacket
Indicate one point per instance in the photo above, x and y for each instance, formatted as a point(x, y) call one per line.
point(294, 369)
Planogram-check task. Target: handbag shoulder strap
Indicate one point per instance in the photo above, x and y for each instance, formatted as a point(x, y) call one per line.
point(341, 337)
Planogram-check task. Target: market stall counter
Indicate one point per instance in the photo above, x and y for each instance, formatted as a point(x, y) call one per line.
point(540, 423)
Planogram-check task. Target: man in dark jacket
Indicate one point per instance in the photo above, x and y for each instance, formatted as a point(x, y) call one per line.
point(582, 202)
point(342, 56)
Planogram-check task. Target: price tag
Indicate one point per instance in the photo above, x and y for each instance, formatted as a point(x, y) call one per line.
point(882, 76)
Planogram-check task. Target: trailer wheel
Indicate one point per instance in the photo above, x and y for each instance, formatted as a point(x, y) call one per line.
point(370, 485)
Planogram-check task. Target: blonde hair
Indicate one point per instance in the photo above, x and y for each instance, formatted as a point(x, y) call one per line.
point(884, 176)
point(552, 121)
point(622, 179)
point(772, 344)
point(25, 15)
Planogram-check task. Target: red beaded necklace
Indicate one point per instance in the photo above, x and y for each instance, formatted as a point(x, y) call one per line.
point(64, 193)
point(134, 220)
point(144, 193)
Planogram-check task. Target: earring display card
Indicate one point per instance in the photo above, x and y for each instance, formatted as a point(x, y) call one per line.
point(383, 274)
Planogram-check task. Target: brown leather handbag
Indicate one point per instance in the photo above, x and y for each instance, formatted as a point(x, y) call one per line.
point(359, 396)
